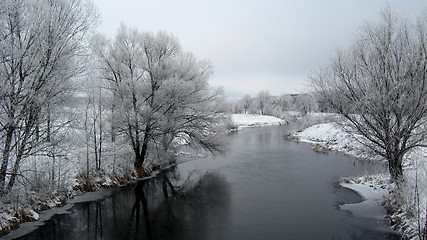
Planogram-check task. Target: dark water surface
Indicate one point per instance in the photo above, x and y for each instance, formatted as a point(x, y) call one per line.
point(264, 187)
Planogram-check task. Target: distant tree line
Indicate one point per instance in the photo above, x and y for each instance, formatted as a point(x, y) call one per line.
point(266, 104)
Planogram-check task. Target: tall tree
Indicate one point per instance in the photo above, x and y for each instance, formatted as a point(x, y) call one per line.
point(188, 107)
point(146, 73)
point(379, 85)
point(41, 44)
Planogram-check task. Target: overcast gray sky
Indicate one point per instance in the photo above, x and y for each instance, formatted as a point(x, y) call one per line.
point(255, 44)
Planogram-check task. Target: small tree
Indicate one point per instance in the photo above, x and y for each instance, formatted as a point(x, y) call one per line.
point(263, 101)
point(284, 102)
point(306, 103)
point(379, 85)
point(246, 103)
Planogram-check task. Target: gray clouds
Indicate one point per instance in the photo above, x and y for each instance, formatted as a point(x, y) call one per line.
point(255, 45)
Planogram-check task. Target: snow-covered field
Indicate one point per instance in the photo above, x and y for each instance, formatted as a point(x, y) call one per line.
point(408, 205)
point(252, 120)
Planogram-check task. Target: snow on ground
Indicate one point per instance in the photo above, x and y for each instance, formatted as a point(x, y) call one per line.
point(328, 135)
point(253, 120)
point(372, 190)
point(411, 202)
point(116, 171)
point(331, 136)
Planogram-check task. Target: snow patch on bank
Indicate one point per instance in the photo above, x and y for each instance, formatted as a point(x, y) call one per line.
point(373, 190)
point(253, 120)
point(408, 203)
point(329, 136)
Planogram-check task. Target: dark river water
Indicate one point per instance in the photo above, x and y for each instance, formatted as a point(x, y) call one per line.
point(264, 187)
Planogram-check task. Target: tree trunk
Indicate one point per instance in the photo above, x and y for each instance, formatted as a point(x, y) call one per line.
point(95, 144)
point(113, 119)
point(5, 160)
point(424, 234)
point(87, 133)
point(49, 123)
point(15, 170)
point(23, 143)
point(19, 157)
point(396, 169)
point(52, 177)
point(100, 131)
point(140, 155)
point(138, 162)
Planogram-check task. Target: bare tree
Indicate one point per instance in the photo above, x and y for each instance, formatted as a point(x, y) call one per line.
point(41, 44)
point(379, 85)
point(263, 100)
point(133, 66)
point(146, 73)
point(305, 103)
point(284, 102)
point(189, 108)
point(246, 102)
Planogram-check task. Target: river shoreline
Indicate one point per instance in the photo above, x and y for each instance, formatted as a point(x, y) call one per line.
point(399, 202)
point(12, 217)
point(84, 198)
point(101, 193)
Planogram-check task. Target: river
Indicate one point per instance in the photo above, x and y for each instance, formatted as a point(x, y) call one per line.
point(263, 187)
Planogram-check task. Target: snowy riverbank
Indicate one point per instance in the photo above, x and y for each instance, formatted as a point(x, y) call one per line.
point(17, 211)
point(406, 206)
point(241, 121)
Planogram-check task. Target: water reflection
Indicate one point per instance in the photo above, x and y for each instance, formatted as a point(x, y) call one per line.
point(140, 200)
point(267, 189)
point(264, 138)
point(150, 209)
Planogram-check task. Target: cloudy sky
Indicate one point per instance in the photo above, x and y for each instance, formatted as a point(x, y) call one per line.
point(255, 44)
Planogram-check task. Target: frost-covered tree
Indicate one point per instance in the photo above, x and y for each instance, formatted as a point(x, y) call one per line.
point(284, 102)
point(122, 64)
point(190, 109)
point(305, 103)
point(41, 45)
point(94, 126)
point(246, 103)
point(263, 101)
point(379, 85)
point(234, 107)
point(160, 92)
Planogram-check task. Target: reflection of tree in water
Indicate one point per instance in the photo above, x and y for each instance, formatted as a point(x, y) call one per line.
point(151, 209)
point(85, 222)
point(184, 210)
point(140, 200)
